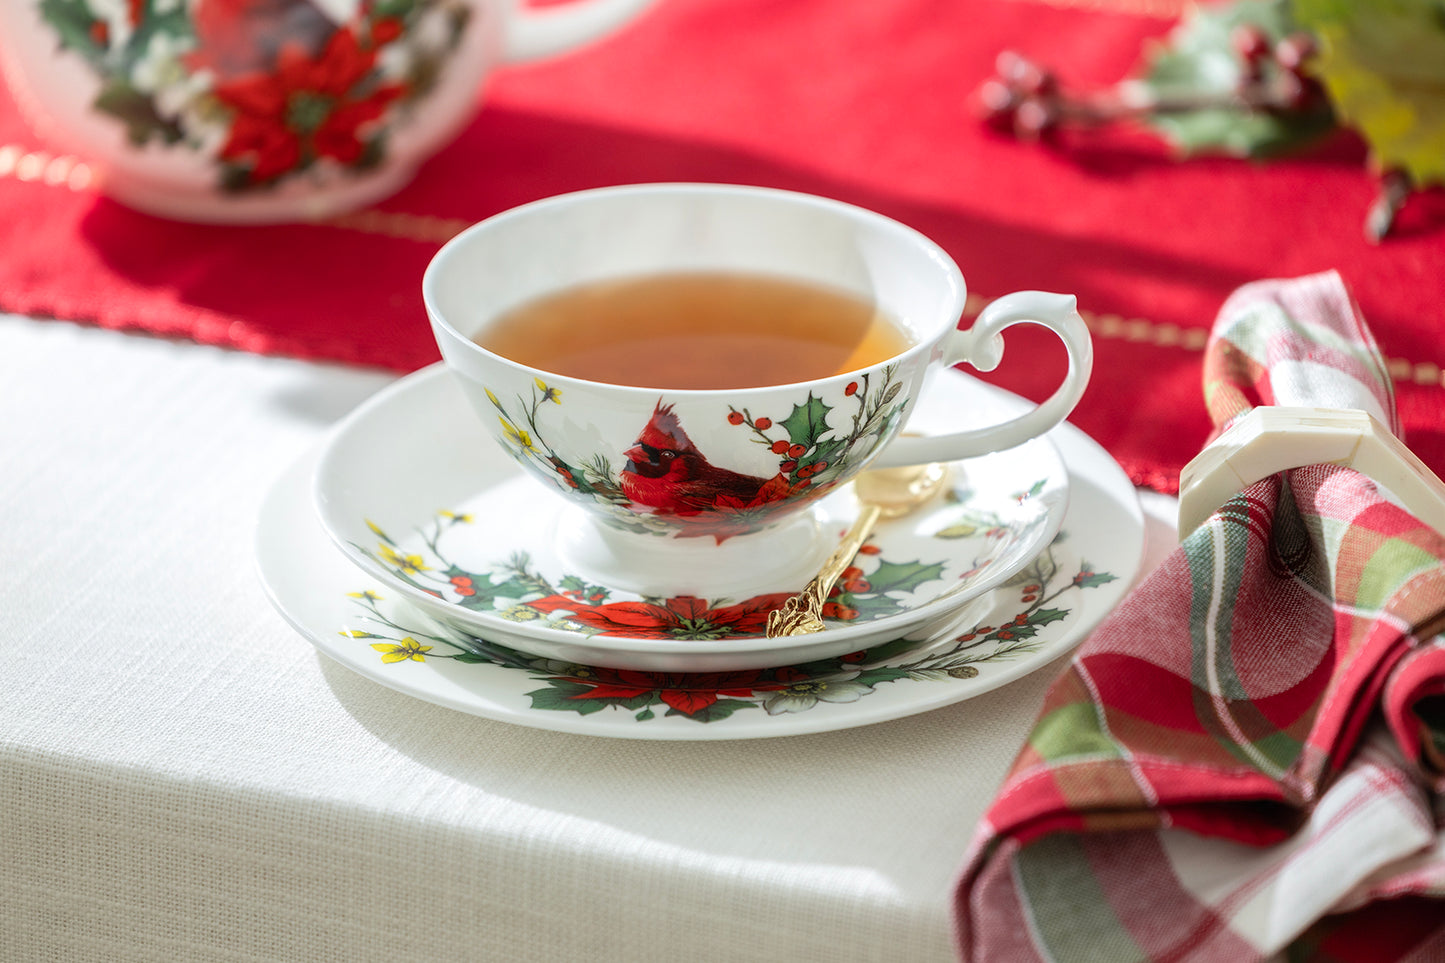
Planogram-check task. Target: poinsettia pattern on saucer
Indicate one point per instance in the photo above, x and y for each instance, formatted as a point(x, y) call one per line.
point(1035, 598)
point(519, 589)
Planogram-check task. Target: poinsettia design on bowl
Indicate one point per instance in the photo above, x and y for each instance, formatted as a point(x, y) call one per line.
point(664, 484)
point(266, 89)
point(258, 111)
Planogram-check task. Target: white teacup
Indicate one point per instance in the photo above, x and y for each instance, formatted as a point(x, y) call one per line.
point(591, 441)
point(252, 111)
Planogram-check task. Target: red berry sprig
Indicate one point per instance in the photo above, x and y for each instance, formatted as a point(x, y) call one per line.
point(1026, 98)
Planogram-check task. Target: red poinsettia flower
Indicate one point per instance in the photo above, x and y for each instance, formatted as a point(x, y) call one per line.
point(682, 617)
point(310, 107)
point(687, 692)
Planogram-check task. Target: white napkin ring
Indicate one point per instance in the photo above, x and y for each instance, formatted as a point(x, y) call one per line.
point(1271, 439)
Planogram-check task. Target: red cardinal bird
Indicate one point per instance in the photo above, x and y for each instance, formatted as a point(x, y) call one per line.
point(665, 471)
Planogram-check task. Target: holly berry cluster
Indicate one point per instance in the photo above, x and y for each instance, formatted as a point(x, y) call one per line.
point(790, 452)
point(1027, 100)
point(1273, 74)
point(1023, 98)
point(1005, 632)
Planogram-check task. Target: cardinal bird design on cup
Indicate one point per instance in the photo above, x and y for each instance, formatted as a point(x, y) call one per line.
point(666, 472)
point(647, 499)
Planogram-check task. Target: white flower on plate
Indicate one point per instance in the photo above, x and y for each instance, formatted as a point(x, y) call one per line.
point(801, 696)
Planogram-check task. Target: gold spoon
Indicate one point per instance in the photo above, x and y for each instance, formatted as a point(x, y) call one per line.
point(883, 493)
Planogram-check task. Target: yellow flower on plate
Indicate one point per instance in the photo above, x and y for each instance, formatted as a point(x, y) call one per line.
point(368, 595)
point(410, 564)
point(407, 648)
point(456, 518)
point(553, 395)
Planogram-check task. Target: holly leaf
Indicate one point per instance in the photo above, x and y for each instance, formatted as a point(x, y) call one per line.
point(1198, 61)
point(870, 607)
point(1047, 616)
point(1383, 65)
point(808, 422)
point(1095, 579)
point(904, 577)
point(72, 20)
point(829, 450)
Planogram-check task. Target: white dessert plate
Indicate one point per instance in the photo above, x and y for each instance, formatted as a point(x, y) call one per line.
point(411, 489)
point(1038, 615)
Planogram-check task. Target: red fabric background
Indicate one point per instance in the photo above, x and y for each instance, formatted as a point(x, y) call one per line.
point(864, 101)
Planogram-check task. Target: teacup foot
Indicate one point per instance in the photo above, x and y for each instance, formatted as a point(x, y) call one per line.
point(780, 559)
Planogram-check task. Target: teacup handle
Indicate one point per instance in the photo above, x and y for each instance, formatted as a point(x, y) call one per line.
point(982, 347)
point(545, 31)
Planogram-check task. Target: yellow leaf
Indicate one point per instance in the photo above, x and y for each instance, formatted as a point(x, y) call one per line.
point(1383, 65)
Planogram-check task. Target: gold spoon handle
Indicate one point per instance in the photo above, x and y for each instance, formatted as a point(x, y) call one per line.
point(803, 613)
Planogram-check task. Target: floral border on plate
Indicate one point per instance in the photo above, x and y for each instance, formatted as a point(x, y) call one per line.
point(1037, 592)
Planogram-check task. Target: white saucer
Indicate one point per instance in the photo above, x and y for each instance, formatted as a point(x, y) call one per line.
point(357, 622)
point(413, 491)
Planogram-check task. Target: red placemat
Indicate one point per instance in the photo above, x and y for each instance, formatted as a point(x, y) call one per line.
point(866, 102)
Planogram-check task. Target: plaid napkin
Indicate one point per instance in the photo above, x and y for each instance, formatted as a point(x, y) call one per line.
point(1247, 759)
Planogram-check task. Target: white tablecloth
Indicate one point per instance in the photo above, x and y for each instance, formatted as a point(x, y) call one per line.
point(182, 776)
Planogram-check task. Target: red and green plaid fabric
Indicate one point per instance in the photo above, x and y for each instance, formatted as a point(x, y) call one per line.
point(1247, 759)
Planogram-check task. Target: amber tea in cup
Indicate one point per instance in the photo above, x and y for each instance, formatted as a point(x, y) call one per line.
point(700, 330)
